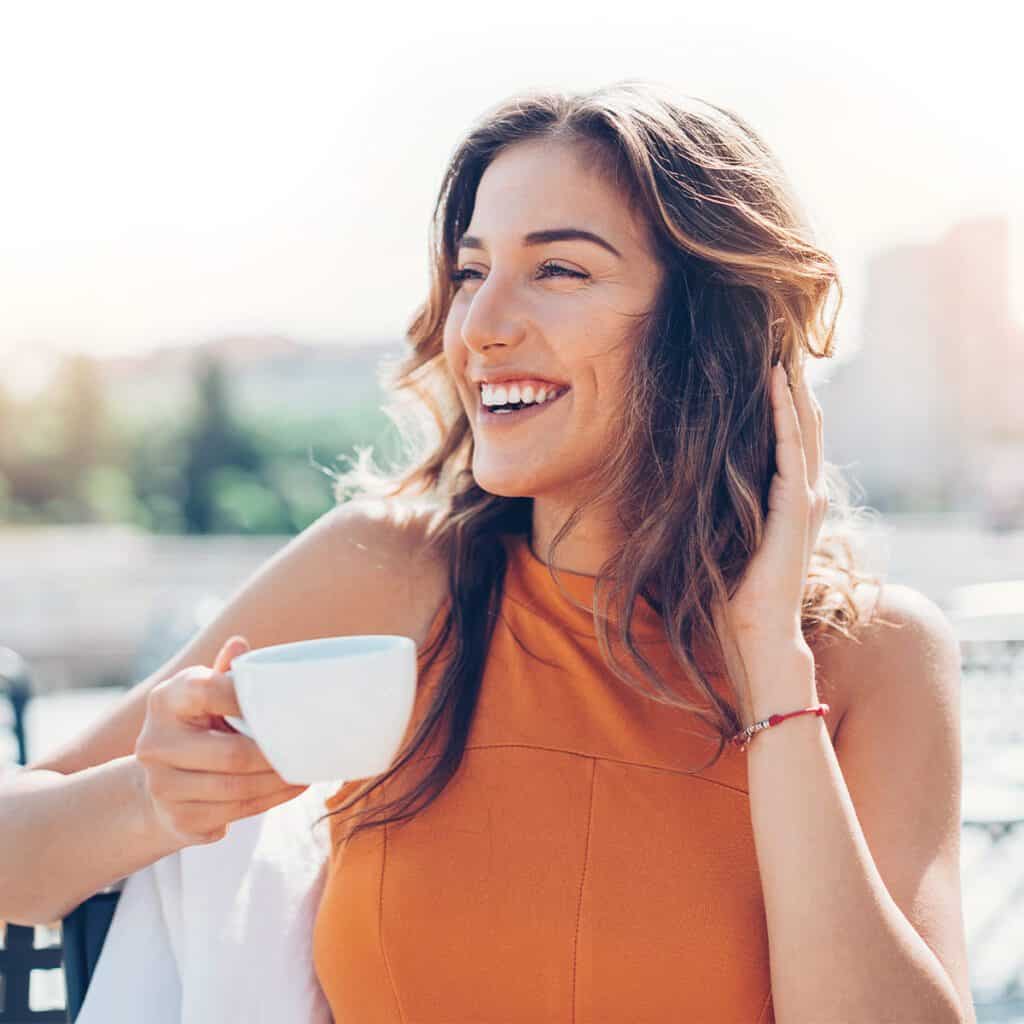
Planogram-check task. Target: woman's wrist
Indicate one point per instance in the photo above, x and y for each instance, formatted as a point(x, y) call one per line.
point(146, 825)
point(780, 683)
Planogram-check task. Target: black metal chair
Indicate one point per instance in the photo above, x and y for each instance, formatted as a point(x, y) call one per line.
point(84, 931)
point(19, 958)
point(16, 687)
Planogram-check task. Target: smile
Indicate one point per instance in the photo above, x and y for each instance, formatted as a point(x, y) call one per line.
point(508, 415)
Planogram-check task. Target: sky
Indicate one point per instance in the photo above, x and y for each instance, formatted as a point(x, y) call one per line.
point(182, 171)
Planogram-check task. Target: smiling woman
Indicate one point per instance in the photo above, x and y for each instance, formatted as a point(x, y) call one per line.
point(634, 258)
point(627, 503)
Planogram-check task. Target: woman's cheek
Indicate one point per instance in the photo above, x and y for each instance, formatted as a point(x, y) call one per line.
point(454, 353)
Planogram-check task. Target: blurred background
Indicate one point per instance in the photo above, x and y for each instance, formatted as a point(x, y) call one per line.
point(213, 228)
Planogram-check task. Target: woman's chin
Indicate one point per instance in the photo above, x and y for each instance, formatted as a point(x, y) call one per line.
point(504, 488)
point(505, 483)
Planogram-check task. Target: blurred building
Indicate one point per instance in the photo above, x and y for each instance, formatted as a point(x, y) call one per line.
point(928, 414)
point(101, 605)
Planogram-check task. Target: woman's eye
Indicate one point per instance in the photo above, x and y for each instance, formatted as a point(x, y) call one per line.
point(465, 274)
point(556, 270)
point(545, 270)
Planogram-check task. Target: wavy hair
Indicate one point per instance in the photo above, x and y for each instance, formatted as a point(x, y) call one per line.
point(745, 286)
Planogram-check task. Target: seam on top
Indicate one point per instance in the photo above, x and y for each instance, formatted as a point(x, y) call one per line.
point(380, 927)
point(602, 757)
point(583, 878)
point(762, 1019)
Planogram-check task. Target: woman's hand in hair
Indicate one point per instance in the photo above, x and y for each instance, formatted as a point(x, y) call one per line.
point(761, 623)
point(199, 774)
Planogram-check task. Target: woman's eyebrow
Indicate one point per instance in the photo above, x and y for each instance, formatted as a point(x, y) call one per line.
point(549, 235)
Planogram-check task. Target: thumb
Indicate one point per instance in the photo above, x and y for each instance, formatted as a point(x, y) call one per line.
point(231, 649)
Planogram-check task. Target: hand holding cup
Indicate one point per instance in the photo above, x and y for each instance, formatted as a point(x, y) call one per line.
point(199, 774)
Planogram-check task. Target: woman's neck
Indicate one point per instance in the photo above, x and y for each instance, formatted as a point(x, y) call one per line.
point(584, 550)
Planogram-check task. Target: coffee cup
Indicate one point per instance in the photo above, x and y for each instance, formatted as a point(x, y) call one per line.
point(332, 709)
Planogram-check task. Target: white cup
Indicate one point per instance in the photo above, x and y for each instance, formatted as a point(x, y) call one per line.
point(327, 710)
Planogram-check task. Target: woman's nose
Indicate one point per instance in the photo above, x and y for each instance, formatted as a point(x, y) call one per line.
point(493, 317)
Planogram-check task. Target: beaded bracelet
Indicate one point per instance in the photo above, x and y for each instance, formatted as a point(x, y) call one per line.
point(742, 739)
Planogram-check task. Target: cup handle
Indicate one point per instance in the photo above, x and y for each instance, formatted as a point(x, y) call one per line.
point(236, 723)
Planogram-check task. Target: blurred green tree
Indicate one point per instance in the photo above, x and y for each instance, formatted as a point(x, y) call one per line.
point(79, 406)
point(71, 453)
point(212, 442)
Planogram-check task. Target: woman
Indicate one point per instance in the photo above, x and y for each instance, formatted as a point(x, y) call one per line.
point(611, 553)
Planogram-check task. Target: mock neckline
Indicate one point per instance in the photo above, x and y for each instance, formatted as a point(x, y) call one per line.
point(529, 582)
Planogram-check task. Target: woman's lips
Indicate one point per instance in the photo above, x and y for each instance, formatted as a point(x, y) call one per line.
point(501, 420)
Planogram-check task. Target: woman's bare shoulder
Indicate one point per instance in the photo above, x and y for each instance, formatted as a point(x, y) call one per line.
point(849, 666)
point(836, 657)
point(385, 566)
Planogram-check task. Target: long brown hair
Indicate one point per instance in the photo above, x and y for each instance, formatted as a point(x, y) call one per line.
point(745, 286)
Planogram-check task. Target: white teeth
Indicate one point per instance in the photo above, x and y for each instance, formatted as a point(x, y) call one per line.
point(491, 394)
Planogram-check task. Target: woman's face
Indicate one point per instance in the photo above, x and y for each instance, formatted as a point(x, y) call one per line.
point(535, 309)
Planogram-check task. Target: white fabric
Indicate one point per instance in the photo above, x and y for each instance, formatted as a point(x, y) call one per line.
point(222, 932)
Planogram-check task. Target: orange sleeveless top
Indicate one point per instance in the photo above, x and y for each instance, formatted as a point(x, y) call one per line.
point(570, 870)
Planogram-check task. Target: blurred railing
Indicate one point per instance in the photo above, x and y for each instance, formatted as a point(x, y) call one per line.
point(16, 687)
point(989, 621)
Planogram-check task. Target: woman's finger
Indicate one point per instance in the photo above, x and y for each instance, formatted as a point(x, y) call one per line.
point(228, 753)
point(820, 416)
point(809, 423)
point(182, 784)
point(230, 650)
point(789, 447)
point(195, 694)
point(195, 818)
